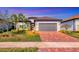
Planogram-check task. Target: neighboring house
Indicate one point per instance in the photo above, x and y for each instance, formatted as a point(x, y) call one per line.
point(73, 22)
point(45, 23)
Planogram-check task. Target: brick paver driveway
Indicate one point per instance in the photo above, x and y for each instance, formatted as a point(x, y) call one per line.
point(56, 37)
point(58, 50)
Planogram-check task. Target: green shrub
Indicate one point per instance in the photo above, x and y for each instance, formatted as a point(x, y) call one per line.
point(1, 31)
point(66, 31)
point(76, 31)
point(9, 40)
point(18, 31)
point(63, 31)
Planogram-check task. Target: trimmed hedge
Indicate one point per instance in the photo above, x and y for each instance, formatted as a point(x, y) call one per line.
point(18, 49)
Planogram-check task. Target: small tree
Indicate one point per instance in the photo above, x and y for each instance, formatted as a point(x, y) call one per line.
point(14, 18)
point(21, 17)
point(65, 26)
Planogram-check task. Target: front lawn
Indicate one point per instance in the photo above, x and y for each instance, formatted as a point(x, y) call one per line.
point(19, 36)
point(72, 33)
point(18, 49)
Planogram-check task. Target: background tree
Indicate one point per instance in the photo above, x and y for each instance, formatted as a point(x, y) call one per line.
point(14, 18)
point(1, 15)
point(4, 16)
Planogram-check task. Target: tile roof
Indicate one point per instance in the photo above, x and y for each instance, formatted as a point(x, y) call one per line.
point(71, 18)
point(44, 18)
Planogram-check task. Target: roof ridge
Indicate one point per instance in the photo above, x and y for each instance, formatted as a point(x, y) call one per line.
point(44, 17)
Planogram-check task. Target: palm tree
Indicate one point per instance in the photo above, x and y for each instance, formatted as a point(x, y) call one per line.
point(21, 17)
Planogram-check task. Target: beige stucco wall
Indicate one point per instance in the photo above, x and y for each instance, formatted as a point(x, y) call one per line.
point(77, 24)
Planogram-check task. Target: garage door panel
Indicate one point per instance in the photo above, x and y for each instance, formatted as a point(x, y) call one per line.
point(47, 26)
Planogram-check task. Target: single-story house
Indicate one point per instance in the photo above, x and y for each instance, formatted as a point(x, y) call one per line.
point(45, 23)
point(73, 22)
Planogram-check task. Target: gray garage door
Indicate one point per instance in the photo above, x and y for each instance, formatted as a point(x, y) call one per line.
point(47, 26)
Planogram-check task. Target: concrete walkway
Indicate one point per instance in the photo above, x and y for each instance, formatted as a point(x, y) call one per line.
point(56, 37)
point(44, 46)
point(39, 44)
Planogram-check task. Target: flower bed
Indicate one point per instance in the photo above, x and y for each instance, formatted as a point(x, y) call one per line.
point(20, 36)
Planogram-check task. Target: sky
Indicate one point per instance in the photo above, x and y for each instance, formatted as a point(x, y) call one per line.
point(54, 12)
